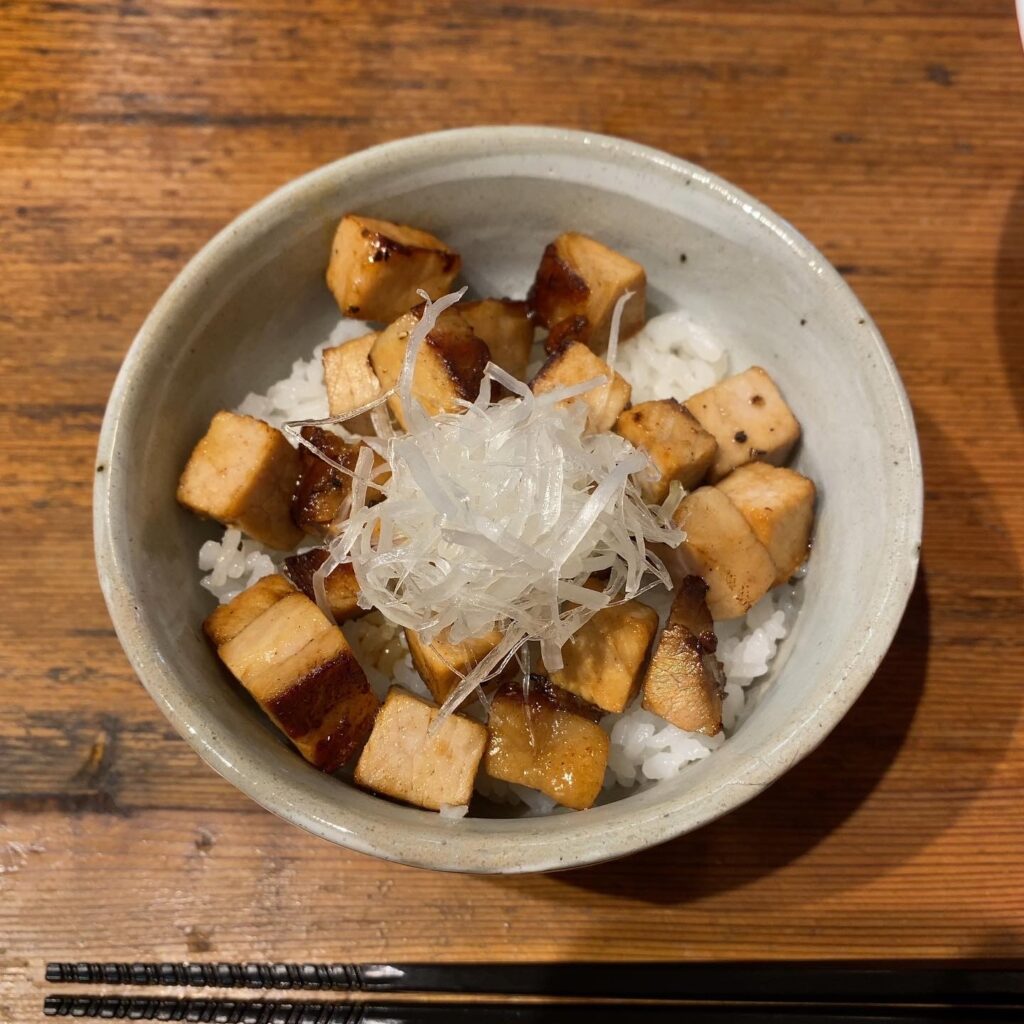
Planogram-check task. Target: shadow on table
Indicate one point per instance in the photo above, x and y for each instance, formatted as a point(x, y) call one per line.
point(992, 949)
point(817, 796)
point(1010, 295)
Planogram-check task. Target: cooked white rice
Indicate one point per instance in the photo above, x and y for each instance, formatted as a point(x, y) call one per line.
point(233, 563)
point(672, 357)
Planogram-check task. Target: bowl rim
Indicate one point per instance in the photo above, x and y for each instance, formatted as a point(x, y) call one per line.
point(226, 756)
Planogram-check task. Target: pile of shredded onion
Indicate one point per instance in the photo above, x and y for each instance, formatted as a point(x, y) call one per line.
point(495, 517)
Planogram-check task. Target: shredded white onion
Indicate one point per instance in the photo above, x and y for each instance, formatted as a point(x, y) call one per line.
point(495, 517)
point(613, 333)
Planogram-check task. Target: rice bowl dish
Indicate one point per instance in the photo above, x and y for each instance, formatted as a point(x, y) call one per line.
point(671, 357)
point(254, 298)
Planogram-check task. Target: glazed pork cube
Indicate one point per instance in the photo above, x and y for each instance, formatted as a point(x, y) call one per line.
point(449, 366)
point(301, 671)
point(506, 327)
point(572, 328)
point(321, 489)
point(575, 363)
point(578, 276)
point(377, 268)
point(778, 504)
point(604, 659)
point(442, 664)
point(547, 740)
point(227, 621)
point(678, 446)
point(281, 631)
point(340, 585)
point(242, 473)
point(683, 680)
point(748, 418)
point(402, 761)
point(328, 708)
point(724, 551)
point(350, 381)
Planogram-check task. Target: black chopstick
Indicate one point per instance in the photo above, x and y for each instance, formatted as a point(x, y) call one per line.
point(855, 983)
point(227, 1011)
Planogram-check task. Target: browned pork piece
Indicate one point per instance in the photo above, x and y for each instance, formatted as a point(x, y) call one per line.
point(573, 328)
point(321, 489)
point(723, 550)
point(678, 446)
point(340, 585)
point(242, 473)
point(377, 267)
point(682, 683)
point(442, 664)
point(350, 381)
point(778, 504)
point(400, 760)
point(604, 658)
point(449, 366)
point(748, 418)
point(578, 276)
point(548, 740)
point(228, 620)
point(299, 669)
point(574, 363)
point(506, 326)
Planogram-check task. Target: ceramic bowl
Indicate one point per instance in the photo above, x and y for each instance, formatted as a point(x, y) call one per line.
point(254, 299)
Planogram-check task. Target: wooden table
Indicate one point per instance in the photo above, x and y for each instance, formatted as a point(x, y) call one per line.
point(890, 131)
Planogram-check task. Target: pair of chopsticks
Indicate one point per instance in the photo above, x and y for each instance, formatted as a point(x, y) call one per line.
point(754, 993)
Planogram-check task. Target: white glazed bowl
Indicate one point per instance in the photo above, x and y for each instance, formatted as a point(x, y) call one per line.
point(254, 299)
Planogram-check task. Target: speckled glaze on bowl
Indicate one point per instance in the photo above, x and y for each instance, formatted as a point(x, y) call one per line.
point(254, 299)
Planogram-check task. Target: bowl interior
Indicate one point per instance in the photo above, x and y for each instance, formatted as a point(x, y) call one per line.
point(255, 300)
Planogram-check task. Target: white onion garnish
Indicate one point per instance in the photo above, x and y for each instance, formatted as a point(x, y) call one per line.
point(496, 516)
point(381, 422)
point(613, 333)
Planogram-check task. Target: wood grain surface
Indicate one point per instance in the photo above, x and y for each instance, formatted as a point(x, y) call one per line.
point(890, 131)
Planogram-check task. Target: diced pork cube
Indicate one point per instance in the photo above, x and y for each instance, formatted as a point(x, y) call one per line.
point(690, 609)
point(328, 708)
point(678, 446)
point(724, 551)
point(547, 740)
point(321, 489)
point(281, 631)
point(228, 620)
point(340, 585)
point(402, 761)
point(350, 381)
point(683, 680)
point(442, 664)
point(604, 659)
point(578, 276)
point(748, 418)
point(778, 504)
point(377, 268)
point(449, 366)
point(574, 363)
point(506, 327)
point(301, 671)
point(573, 328)
point(242, 473)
